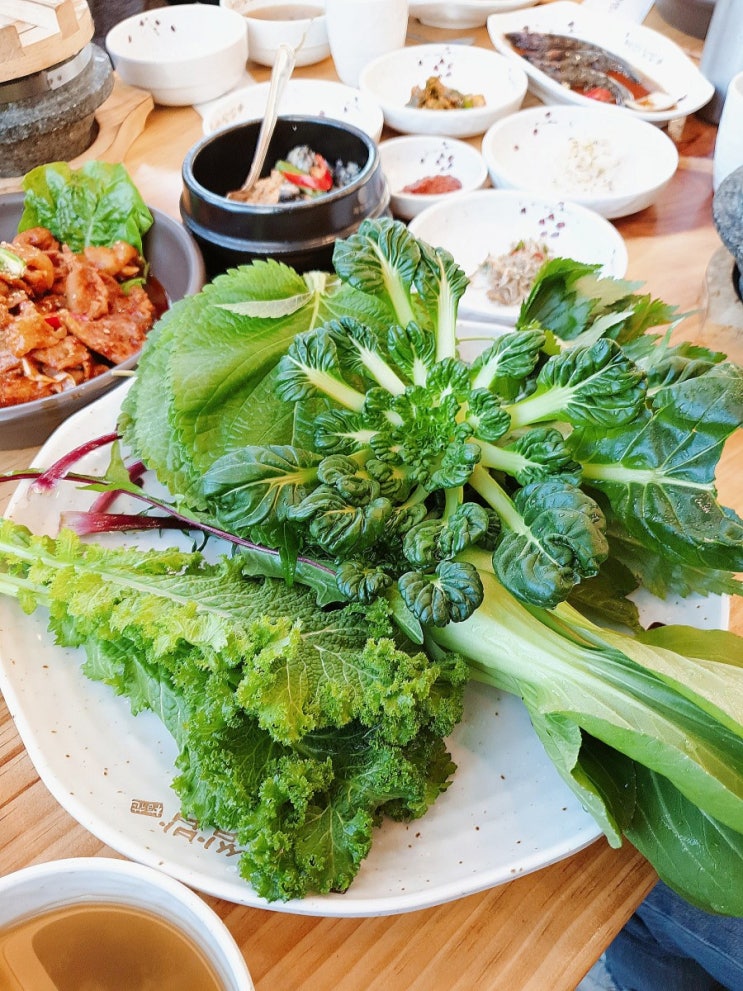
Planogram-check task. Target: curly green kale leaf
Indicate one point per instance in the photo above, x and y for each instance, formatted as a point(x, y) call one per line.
point(299, 728)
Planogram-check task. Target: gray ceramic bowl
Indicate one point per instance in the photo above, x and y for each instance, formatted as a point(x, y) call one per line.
point(175, 261)
point(230, 232)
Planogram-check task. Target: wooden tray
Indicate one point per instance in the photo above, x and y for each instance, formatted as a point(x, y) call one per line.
point(121, 119)
point(37, 34)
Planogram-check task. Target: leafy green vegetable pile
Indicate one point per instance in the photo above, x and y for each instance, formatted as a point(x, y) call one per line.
point(297, 729)
point(95, 204)
point(330, 418)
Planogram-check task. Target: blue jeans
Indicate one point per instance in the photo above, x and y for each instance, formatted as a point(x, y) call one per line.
point(668, 945)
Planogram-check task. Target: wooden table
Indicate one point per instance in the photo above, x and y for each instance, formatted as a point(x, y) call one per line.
point(541, 931)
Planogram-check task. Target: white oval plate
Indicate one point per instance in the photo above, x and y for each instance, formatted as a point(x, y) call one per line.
point(506, 813)
point(461, 13)
point(389, 81)
point(648, 51)
point(601, 157)
point(303, 97)
point(492, 221)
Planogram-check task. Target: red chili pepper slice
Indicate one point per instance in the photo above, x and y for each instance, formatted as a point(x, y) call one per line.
point(53, 320)
point(319, 178)
point(600, 93)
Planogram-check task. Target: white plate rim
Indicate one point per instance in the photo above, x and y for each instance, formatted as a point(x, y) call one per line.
point(462, 13)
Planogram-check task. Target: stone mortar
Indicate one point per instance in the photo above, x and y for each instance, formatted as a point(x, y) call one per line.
point(727, 213)
point(57, 125)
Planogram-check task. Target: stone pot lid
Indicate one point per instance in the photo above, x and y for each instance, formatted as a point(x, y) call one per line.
point(45, 80)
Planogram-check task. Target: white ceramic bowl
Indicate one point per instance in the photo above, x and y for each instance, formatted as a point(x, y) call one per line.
point(390, 79)
point(176, 263)
point(43, 888)
point(492, 221)
point(601, 157)
point(649, 52)
point(301, 98)
point(415, 156)
point(299, 23)
point(184, 54)
point(461, 14)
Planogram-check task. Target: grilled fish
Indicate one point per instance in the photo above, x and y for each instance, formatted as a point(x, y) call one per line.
point(579, 64)
point(584, 79)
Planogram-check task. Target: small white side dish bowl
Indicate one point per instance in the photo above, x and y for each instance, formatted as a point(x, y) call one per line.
point(184, 54)
point(299, 23)
point(85, 881)
point(601, 157)
point(390, 79)
point(301, 98)
point(490, 222)
point(407, 159)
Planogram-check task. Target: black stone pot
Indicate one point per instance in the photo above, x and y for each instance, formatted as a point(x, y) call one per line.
point(302, 234)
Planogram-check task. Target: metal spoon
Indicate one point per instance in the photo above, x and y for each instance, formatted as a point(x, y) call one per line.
point(282, 70)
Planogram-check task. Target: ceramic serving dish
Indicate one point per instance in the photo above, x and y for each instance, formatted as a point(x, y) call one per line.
point(678, 88)
point(301, 234)
point(461, 14)
point(598, 156)
point(299, 23)
point(135, 892)
point(176, 263)
point(491, 222)
point(475, 71)
point(301, 98)
point(409, 159)
point(183, 54)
